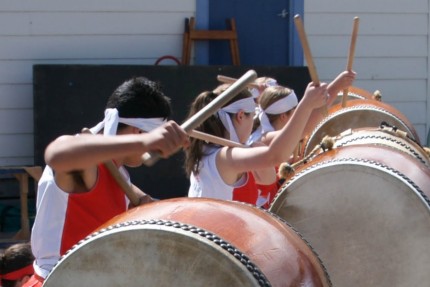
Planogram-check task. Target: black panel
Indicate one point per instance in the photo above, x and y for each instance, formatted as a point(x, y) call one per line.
point(69, 97)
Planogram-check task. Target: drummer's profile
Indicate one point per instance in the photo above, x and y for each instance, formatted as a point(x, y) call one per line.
point(79, 191)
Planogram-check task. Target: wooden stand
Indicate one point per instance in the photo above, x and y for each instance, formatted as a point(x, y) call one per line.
point(22, 173)
point(191, 34)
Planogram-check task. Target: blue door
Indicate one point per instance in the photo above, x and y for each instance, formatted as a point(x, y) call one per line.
point(266, 32)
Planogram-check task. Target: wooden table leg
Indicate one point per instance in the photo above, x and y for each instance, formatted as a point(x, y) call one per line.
point(24, 232)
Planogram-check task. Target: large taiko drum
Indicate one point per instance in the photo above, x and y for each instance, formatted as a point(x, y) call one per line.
point(191, 242)
point(358, 114)
point(366, 211)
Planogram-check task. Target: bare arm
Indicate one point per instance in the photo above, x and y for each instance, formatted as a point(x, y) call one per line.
point(237, 160)
point(341, 82)
point(68, 153)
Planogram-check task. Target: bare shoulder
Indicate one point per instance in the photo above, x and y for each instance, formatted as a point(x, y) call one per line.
point(76, 181)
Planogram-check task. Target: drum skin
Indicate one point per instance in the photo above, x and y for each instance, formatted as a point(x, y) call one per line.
point(366, 211)
point(268, 252)
point(358, 114)
point(383, 137)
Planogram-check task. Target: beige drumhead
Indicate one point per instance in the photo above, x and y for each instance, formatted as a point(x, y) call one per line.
point(382, 137)
point(149, 253)
point(192, 242)
point(354, 117)
point(369, 222)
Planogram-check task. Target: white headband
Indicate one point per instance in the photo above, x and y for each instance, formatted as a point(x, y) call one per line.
point(247, 105)
point(111, 120)
point(282, 106)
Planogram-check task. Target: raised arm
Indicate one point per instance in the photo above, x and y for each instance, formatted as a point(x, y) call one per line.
point(68, 153)
point(236, 160)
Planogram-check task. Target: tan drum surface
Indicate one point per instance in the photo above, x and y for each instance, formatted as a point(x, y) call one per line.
point(382, 137)
point(358, 114)
point(366, 211)
point(192, 242)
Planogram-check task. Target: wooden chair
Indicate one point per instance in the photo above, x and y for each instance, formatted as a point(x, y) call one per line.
point(191, 35)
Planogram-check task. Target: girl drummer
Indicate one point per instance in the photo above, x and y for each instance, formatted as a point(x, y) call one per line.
point(216, 171)
point(276, 106)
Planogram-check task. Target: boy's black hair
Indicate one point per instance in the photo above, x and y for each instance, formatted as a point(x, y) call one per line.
point(140, 97)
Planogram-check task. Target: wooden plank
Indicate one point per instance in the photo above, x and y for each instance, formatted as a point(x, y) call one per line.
point(398, 90)
point(370, 23)
point(90, 47)
point(98, 5)
point(370, 46)
point(376, 69)
point(16, 145)
point(15, 121)
point(89, 23)
point(369, 6)
point(16, 96)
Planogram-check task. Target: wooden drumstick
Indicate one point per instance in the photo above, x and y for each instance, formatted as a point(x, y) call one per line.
point(113, 169)
point(150, 158)
point(229, 80)
point(351, 55)
point(214, 139)
point(308, 55)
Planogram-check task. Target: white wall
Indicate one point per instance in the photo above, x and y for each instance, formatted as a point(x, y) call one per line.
point(392, 51)
point(391, 54)
point(72, 32)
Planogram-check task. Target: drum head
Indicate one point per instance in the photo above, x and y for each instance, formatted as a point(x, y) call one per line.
point(354, 117)
point(152, 254)
point(381, 137)
point(369, 223)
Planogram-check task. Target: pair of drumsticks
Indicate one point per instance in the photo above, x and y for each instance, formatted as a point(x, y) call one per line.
point(309, 59)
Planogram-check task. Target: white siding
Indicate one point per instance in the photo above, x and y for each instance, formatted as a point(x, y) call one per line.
point(72, 32)
point(392, 51)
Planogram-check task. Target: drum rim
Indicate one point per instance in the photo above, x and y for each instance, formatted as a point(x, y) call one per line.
point(390, 137)
point(208, 237)
point(342, 111)
point(321, 263)
point(355, 161)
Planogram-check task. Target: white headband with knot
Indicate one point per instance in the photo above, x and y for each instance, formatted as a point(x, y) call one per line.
point(111, 120)
point(282, 106)
point(247, 105)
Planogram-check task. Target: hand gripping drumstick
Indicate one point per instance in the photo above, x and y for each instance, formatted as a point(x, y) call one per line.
point(308, 55)
point(113, 169)
point(228, 80)
point(150, 158)
point(351, 55)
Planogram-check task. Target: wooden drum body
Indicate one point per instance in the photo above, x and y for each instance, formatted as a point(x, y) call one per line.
point(191, 242)
point(358, 114)
point(366, 211)
point(354, 93)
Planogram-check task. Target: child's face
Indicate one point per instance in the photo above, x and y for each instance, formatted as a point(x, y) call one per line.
point(244, 127)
